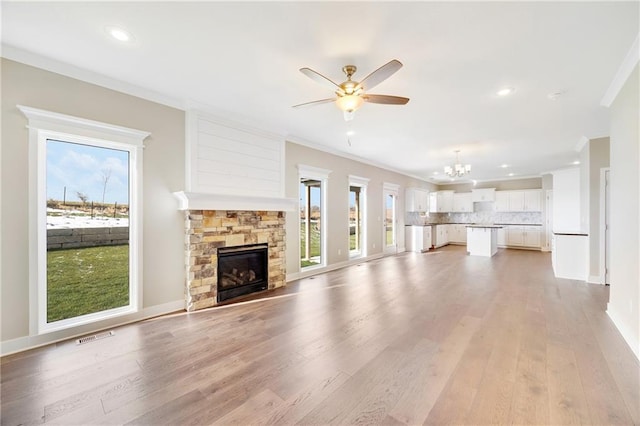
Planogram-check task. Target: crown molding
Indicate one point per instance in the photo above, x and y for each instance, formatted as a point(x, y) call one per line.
point(82, 74)
point(504, 179)
point(624, 71)
point(313, 145)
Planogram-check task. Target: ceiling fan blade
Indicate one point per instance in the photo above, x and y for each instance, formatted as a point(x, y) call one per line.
point(321, 101)
point(319, 78)
point(380, 75)
point(385, 99)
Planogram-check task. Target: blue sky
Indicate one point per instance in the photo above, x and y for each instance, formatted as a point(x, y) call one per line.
point(81, 168)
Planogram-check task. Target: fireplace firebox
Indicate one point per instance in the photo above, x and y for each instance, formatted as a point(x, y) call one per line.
point(242, 270)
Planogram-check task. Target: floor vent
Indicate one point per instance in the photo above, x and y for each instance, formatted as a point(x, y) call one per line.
point(95, 337)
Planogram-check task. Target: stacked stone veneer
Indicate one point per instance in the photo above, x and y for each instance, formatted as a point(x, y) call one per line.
point(208, 230)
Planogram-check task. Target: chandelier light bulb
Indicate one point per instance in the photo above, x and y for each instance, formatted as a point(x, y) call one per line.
point(458, 169)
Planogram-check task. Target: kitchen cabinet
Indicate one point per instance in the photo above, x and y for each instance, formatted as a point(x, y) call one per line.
point(441, 235)
point(482, 240)
point(483, 194)
point(502, 237)
point(523, 236)
point(515, 236)
point(418, 238)
point(532, 236)
point(457, 233)
point(533, 200)
point(441, 201)
point(417, 200)
point(502, 201)
point(528, 200)
point(462, 202)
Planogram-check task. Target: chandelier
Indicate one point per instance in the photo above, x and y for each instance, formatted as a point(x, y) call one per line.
point(458, 169)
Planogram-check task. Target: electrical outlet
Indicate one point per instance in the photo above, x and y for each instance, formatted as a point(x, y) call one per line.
point(374, 245)
point(339, 252)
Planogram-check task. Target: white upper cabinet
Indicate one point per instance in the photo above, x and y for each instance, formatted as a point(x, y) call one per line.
point(516, 201)
point(417, 200)
point(441, 201)
point(528, 200)
point(462, 202)
point(502, 201)
point(483, 194)
point(533, 200)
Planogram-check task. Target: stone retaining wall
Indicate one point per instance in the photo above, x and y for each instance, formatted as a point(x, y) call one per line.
point(59, 239)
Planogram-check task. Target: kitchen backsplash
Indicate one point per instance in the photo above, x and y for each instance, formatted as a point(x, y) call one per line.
point(482, 216)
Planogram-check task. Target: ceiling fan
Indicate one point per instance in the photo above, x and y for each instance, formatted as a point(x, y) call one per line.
point(350, 94)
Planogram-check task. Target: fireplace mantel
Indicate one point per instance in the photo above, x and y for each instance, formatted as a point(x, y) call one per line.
point(202, 201)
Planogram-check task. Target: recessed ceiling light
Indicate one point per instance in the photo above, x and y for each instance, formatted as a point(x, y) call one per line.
point(350, 133)
point(506, 91)
point(575, 163)
point(504, 166)
point(119, 34)
point(435, 173)
point(510, 174)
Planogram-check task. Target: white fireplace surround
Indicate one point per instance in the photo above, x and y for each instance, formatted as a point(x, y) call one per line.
point(201, 201)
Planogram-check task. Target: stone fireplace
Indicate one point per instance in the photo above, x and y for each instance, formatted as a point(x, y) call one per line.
point(209, 230)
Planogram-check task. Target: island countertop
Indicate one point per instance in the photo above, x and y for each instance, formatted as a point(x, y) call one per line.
point(476, 225)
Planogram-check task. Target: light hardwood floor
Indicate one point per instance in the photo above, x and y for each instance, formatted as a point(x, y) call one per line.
point(434, 338)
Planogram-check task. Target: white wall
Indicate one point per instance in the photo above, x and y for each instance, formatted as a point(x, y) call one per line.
point(585, 168)
point(624, 297)
point(566, 201)
point(163, 259)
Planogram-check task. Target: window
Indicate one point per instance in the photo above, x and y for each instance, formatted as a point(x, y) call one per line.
point(85, 235)
point(357, 216)
point(390, 196)
point(312, 212)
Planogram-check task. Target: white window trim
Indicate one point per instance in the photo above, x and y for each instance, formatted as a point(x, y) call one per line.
point(361, 182)
point(44, 125)
point(312, 172)
point(393, 189)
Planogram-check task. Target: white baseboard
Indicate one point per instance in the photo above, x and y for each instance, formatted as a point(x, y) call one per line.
point(595, 279)
point(627, 335)
point(315, 271)
point(30, 342)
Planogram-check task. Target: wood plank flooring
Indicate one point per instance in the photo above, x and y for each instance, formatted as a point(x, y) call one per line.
point(433, 338)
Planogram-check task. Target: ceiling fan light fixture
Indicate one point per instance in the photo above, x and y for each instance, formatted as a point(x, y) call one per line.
point(348, 115)
point(349, 103)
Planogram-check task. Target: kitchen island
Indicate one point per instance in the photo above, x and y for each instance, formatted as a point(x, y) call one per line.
point(482, 240)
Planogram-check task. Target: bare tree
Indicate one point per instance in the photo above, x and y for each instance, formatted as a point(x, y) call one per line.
point(106, 175)
point(82, 196)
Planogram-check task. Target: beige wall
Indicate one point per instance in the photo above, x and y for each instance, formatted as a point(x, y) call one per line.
point(624, 298)
point(499, 185)
point(338, 203)
point(163, 173)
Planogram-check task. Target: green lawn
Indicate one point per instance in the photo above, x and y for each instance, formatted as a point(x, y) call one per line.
point(88, 280)
point(314, 248)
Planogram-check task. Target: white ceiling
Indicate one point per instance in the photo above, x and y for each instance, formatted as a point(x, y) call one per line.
point(242, 59)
